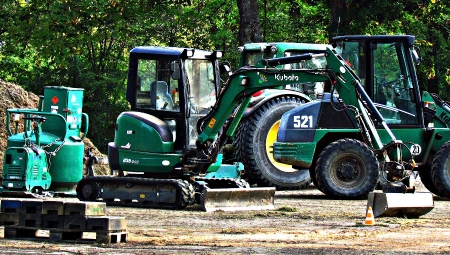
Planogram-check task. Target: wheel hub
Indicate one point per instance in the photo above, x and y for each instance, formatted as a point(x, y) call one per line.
point(87, 190)
point(347, 171)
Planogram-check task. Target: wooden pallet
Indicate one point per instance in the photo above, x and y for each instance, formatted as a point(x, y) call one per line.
point(61, 221)
point(65, 235)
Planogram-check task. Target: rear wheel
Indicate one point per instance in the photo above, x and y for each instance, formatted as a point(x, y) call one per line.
point(347, 169)
point(425, 177)
point(254, 139)
point(440, 174)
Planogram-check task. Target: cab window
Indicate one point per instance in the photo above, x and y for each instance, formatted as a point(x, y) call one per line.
point(393, 92)
point(156, 90)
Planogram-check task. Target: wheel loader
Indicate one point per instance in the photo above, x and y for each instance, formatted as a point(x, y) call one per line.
point(373, 130)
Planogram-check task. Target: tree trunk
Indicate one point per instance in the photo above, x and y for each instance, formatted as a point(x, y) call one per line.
point(338, 18)
point(249, 27)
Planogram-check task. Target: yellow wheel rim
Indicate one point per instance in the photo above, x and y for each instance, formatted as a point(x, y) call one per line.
point(270, 139)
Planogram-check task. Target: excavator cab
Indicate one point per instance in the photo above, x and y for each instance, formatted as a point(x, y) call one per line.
point(176, 85)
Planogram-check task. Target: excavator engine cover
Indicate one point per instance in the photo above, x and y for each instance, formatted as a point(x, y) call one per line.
point(410, 205)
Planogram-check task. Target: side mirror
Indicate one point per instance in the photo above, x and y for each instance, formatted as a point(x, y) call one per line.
point(415, 55)
point(175, 70)
point(225, 68)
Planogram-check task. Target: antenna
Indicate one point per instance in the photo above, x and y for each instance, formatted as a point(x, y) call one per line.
point(339, 22)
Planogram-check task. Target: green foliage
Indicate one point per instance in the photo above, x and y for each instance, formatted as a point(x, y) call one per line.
point(287, 209)
point(294, 21)
point(428, 20)
point(85, 44)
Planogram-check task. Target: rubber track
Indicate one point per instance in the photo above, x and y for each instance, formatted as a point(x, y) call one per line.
point(184, 188)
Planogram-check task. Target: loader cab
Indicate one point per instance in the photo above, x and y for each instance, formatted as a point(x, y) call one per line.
point(252, 54)
point(175, 85)
point(385, 65)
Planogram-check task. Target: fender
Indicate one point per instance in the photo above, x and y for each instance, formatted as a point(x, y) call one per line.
point(273, 93)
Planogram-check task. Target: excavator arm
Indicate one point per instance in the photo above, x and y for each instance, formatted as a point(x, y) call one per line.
point(248, 80)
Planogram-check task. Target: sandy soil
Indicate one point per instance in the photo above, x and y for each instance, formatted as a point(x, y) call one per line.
point(304, 222)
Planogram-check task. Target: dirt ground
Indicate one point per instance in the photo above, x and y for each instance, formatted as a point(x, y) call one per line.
point(304, 222)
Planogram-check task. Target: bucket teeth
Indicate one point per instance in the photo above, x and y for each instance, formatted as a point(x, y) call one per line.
point(410, 205)
point(238, 199)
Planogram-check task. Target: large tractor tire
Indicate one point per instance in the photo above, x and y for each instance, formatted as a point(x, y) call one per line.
point(347, 169)
point(440, 171)
point(254, 138)
point(427, 181)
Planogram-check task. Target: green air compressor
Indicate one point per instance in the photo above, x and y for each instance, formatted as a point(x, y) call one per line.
point(45, 147)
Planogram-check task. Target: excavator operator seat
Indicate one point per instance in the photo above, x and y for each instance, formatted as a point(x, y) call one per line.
point(161, 98)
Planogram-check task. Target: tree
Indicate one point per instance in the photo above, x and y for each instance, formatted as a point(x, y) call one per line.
point(86, 43)
point(249, 27)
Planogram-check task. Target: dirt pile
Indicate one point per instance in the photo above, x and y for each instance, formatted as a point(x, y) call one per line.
point(14, 96)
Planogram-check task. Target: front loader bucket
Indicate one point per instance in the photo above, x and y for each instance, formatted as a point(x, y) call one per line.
point(410, 205)
point(238, 199)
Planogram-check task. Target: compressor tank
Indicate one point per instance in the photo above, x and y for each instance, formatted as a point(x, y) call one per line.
point(61, 135)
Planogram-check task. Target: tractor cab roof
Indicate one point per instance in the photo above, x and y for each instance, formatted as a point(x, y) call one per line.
point(173, 52)
point(389, 38)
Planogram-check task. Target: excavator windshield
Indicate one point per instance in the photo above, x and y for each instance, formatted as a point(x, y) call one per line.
point(201, 77)
point(201, 88)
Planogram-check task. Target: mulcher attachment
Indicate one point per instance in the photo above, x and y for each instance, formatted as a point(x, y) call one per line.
point(410, 205)
point(237, 199)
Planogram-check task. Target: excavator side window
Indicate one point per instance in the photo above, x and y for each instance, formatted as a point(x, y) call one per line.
point(393, 84)
point(156, 90)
